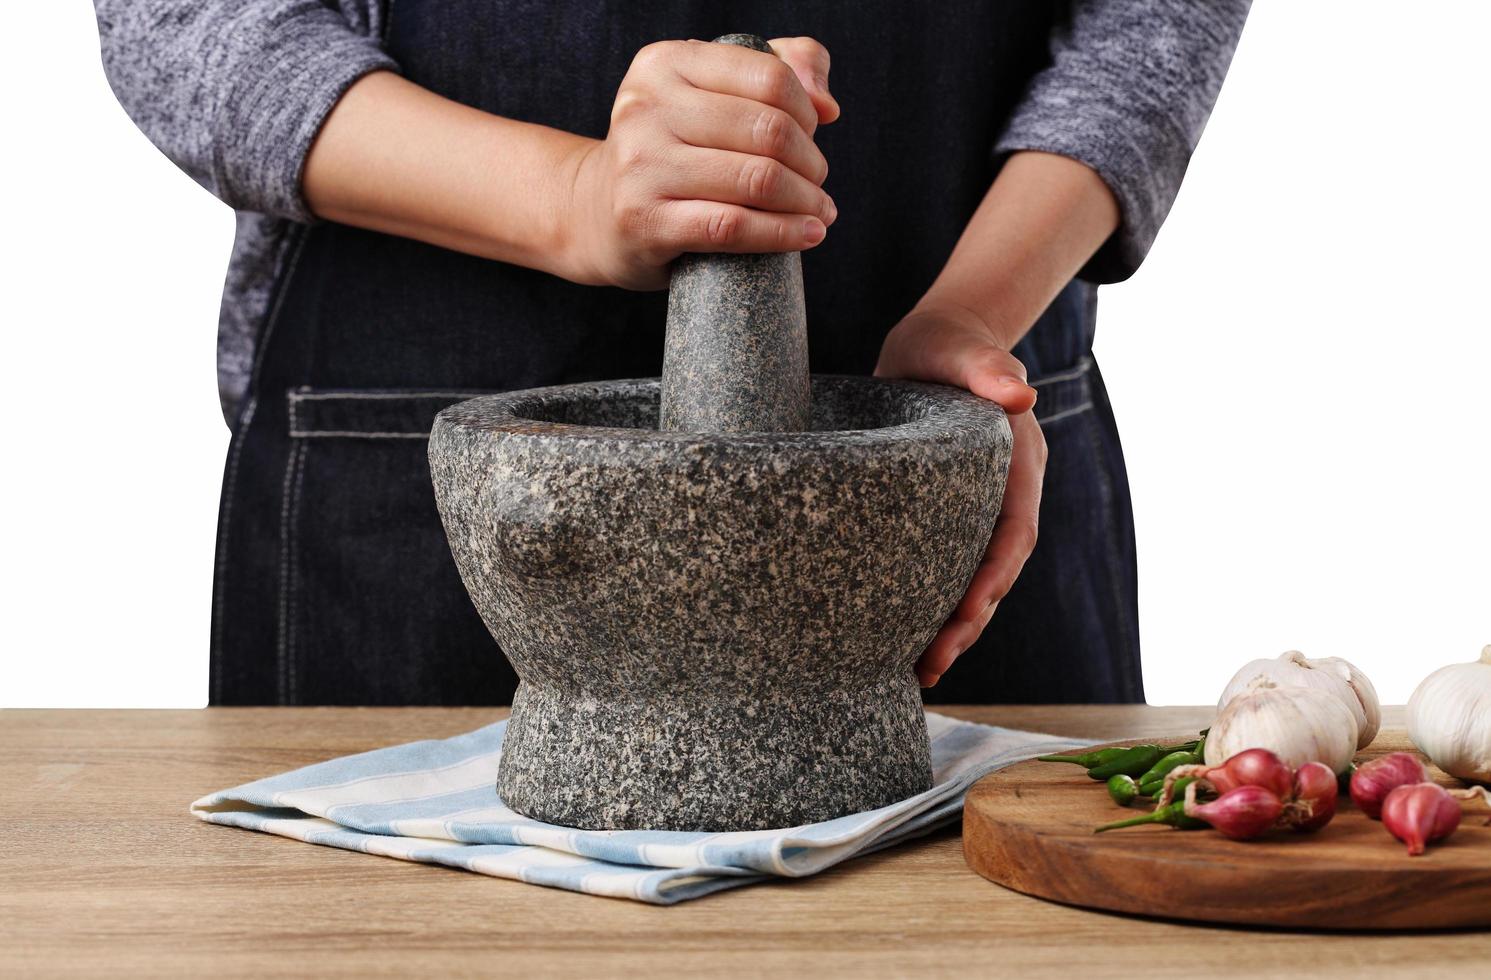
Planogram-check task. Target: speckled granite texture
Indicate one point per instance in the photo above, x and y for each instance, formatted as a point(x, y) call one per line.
point(714, 586)
point(716, 631)
point(735, 358)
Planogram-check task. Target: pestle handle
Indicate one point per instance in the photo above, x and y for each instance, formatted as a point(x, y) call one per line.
point(735, 357)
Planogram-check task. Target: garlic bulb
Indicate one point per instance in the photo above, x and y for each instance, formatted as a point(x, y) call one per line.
point(1330, 674)
point(1297, 724)
point(1449, 718)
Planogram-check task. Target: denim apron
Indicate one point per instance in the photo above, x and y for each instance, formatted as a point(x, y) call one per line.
point(333, 581)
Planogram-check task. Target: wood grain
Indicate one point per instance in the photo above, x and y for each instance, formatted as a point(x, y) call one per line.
point(1029, 827)
point(102, 871)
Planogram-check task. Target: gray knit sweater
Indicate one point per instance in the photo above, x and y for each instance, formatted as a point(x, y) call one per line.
point(235, 92)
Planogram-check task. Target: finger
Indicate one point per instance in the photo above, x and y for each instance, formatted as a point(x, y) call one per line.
point(709, 226)
point(946, 647)
point(728, 122)
point(755, 75)
point(1017, 528)
point(997, 375)
point(945, 351)
point(755, 182)
point(1014, 539)
point(951, 641)
point(809, 61)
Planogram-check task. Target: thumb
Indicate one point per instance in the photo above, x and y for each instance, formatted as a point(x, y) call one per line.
point(940, 350)
point(995, 374)
point(809, 62)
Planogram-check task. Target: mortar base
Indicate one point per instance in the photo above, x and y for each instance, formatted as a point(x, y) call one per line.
point(717, 762)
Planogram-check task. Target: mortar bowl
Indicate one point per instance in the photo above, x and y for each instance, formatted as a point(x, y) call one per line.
point(716, 631)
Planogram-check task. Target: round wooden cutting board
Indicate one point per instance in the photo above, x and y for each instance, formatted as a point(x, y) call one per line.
point(1029, 827)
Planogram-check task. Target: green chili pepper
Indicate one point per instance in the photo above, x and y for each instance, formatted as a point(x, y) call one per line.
point(1174, 815)
point(1205, 731)
point(1101, 757)
point(1122, 789)
point(1133, 761)
point(1343, 780)
point(1152, 787)
point(1200, 749)
point(1157, 786)
point(1086, 760)
point(1159, 769)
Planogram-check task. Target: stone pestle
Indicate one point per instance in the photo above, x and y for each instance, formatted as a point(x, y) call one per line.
point(735, 358)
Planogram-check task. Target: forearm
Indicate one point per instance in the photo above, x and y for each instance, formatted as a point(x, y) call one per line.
point(1128, 92)
point(1041, 220)
point(397, 158)
point(234, 93)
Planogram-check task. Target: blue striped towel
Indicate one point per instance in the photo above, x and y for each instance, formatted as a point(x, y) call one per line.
point(436, 802)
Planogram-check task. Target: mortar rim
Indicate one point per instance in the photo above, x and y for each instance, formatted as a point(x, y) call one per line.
point(953, 415)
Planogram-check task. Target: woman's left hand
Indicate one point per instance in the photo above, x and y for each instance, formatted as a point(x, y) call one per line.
point(953, 346)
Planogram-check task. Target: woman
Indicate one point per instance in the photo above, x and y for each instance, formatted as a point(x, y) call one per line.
point(447, 197)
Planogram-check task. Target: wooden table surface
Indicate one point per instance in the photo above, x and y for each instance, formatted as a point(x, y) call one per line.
point(102, 871)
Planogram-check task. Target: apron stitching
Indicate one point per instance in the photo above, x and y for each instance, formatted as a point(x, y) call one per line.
point(318, 396)
point(1077, 372)
point(294, 675)
point(287, 512)
point(297, 248)
point(347, 434)
point(220, 599)
point(1110, 547)
point(1065, 413)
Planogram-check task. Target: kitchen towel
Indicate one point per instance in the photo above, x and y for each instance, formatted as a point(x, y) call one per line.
point(436, 802)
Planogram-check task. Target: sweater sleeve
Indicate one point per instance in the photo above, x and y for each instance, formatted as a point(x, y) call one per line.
point(1128, 91)
point(234, 91)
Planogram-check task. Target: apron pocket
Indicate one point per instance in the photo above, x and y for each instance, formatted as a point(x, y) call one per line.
point(391, 414)
point(372, 610)
point(1064, 394)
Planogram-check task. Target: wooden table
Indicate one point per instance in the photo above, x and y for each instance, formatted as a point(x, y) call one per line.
point(102, 871)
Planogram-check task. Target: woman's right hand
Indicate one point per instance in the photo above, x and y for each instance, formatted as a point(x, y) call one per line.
point(710, 150)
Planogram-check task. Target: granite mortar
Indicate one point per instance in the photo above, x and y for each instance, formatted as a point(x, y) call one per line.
point(716, 631)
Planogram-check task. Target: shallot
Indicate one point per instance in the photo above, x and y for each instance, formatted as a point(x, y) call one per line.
point(1241, 813)
point(1419, 813)
point(1375, 779)
point(1250, 767)
point(1314, 798)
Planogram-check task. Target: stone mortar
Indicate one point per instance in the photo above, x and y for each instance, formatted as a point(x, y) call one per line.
point(716, 631)
point(714, 587)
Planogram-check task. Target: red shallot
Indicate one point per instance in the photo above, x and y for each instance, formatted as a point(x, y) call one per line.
point(1375, 779)
point(1314, 799)
point(1241, 813)
point(1250, 767)
point(1419, 813)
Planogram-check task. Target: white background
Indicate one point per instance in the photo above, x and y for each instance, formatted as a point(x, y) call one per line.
point(1299, 370)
